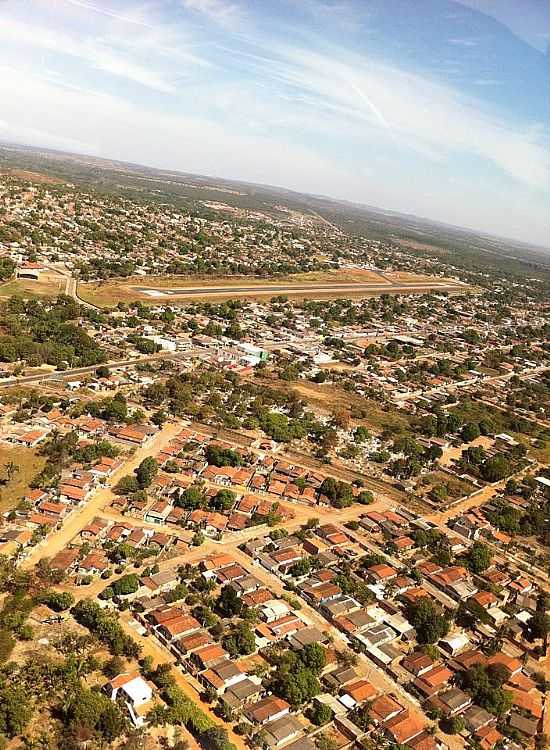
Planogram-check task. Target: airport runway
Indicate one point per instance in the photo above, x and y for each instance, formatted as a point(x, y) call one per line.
point(304, 289)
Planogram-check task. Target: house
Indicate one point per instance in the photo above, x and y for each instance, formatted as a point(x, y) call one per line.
point(179, 627)
point(433, 681)
point(356, 693)
point(93, 530)
point(418, 663)
point(384, 708)
point(134, 693)
point(207, 656)
point(454, 644)
point(403, 728)
point(191, 643)
point(306, 636)
point(222, 675)
point(159, 583)
point(526, 725)
point(158, 512)
point(267, 709)
point(281, 731)
point(451, 702)
point(64, 560)
point(241, 693)
point(488, 737)
point(95, 563)
point(381, 573)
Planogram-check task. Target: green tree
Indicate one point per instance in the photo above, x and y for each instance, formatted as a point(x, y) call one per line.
point(478, 558)
point(146, 472)
point(430, 626)
point(321, 714)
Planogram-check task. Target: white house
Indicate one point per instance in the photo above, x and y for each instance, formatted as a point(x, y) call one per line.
point(132, 691)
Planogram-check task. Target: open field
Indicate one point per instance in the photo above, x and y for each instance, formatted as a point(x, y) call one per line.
point(29, 464)
point(317, 285)
point(331, 399)
point(39, 177)
point(49, 285)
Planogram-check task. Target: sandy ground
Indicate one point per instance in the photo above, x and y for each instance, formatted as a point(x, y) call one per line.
point(453, 454)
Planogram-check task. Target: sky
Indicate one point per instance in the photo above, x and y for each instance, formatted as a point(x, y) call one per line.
point(437, 108)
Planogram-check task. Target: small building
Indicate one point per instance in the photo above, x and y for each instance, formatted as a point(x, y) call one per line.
point(133, 692)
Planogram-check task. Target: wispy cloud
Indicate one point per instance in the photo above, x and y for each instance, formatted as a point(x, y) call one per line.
point(463, 42)
point(127, 57)
point(109, 13)
point(223, 12)
point(486, 82)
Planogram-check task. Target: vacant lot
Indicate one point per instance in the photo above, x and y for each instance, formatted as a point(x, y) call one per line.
point(28, 463)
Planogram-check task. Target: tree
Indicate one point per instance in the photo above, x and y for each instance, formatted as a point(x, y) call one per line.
point(218, 456)
point(361, 434)
point(126, 485)
point(113, 667)
point(240, 641)
point(228, 603)
point(146, 472)
point(484, 684)
point(94, 711)
point(539, 626)
point(470, 432)
point(198, 539)
point(453, 725)
point(496, 468)
point(321, 714)
point(224, 500)
point(313, 656)
point(128, 584)
point(216, 738)
point(15, 710)
point(58, 601)
point(365, 497)
point(478, 558)
point(296, 687)
point(430, 626)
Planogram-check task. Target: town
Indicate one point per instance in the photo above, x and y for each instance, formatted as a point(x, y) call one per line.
point(299, 519)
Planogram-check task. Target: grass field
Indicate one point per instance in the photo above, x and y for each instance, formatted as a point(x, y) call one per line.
point(110, 293)
point(47, 286)
point(29, 464)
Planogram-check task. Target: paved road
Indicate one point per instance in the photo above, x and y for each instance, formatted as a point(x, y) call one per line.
point(65, 374)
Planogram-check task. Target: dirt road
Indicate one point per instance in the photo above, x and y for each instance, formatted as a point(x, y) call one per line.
point(160, 655)
point(80, 517)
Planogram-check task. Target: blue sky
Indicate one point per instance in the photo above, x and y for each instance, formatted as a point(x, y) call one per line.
point(432, 107)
